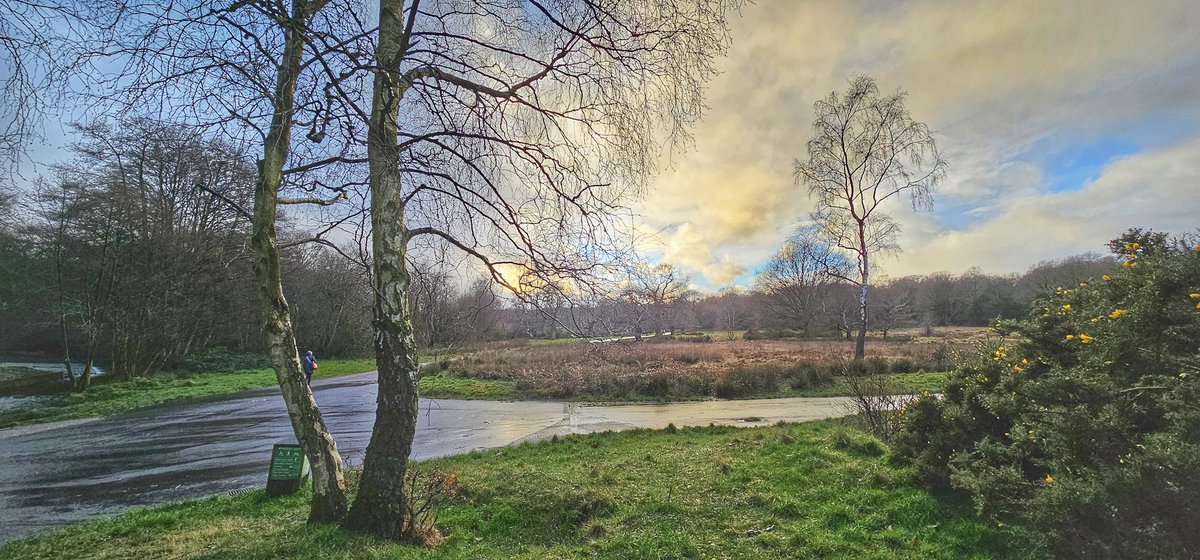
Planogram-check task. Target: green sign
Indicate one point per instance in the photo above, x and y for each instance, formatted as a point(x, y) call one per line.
point(287, 463)
point(289, 467)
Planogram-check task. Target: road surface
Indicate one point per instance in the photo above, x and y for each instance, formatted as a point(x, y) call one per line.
point(58, 474)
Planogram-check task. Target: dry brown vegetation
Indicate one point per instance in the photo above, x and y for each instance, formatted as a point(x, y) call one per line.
point(676, 369)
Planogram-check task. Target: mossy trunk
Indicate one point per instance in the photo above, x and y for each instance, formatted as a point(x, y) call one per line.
point(380, 504)
point(329, 487)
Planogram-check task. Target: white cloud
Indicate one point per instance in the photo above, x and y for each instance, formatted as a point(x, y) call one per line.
point(1158, 189)
point(993, 79)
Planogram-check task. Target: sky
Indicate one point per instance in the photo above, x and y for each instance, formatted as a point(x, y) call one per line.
point(1064, 124)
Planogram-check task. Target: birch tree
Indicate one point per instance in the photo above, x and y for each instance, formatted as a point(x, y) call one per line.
point(515, 132)
point(252, 71)
point(866, 150)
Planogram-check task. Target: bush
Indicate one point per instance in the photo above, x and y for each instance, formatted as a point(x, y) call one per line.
point(942, 359)
point(806, 375)
point(221, 359)
point(904, 365)
point(877, 365)
point(1083, 418)
point(749, 380)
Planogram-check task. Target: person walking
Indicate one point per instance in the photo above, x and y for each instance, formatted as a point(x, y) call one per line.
point(310, 365)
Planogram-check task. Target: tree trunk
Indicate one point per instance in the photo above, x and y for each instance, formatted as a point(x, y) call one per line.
point(85, 380)
point(329, 487)
point(380, 504)
point(860, 345)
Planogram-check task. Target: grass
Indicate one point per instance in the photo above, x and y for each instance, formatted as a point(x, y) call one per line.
point(676, 370)
point(13, 373)
point(904, 384)
point(813, 490)
point(106, 398)
point(442, 386)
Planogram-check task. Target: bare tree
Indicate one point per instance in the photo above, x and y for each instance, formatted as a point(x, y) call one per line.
point(514, 132)
point(793, 279)
point(650, 295)
point(37, 40)
point(865, 150)
point(278, 66)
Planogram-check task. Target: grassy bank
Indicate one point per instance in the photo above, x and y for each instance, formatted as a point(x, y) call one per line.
point(105, 398)
point(793, 491)
point(445, 386)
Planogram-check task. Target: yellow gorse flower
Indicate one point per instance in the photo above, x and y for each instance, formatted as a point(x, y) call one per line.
point(1066, 307)
point(1116, 313)
point(1084, 338)
point(1106, 277)
point(1049, 479)
point(1070, 337)
point(1194, 296)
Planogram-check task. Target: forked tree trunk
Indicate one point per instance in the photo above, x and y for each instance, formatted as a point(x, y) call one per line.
point(85, 380)
point(380, 504)
point(329, 487)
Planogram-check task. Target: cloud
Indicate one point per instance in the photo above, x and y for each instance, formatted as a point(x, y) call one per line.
point(688, 248)
point(1000, 83)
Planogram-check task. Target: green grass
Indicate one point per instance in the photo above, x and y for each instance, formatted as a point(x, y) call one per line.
point(813, 490)
point(106, 398)
point(719, 336)
point(904, 383)
point(443, 386)
point(12, 373)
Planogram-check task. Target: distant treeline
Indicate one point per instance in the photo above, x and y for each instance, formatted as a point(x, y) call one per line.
point(134, 255)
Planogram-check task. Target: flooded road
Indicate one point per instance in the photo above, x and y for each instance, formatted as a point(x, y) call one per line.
point(57, 474)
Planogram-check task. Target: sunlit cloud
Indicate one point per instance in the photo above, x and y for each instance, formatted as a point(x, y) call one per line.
point(1047, 113)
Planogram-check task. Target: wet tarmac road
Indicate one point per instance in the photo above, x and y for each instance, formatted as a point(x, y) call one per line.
point(52, 475)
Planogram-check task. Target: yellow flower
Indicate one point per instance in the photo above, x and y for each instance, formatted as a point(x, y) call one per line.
point(1106, 277)
point(1070, 337)
point(1024, 361)
point(1066, 307)
point(1049, 479)
point(1194, 296)
point(1095, 320)
point(1116, 313)
point(1083, 284)
point(1084, 338)
point(1017, 370)
point(1126, 264)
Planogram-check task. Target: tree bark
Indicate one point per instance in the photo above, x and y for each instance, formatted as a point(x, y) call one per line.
point(380, 504)
point(329, 487)
point(860, 345)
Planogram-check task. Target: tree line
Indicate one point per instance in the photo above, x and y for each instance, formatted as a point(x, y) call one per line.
point(130, 255)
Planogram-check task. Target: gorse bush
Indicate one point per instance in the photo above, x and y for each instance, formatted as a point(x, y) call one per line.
point(1086, 417)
